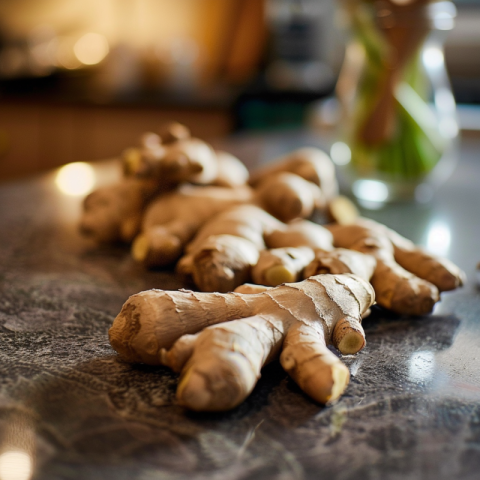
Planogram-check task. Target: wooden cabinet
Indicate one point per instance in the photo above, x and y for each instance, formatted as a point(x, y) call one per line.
point(35, 137)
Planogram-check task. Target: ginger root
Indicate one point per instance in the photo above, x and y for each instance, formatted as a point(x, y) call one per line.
point(219, 342)
point(412, 290)
point(158, 166)
point(341, 260)
point(441, 272)
point(225, 249)
point(281, 265)
point(172, 220)
point(288, 196)
point(163, 162)
point(114, 213)
point(311, 164)
point(176, 157)
point(301, 183)
point(297, 184)
point(290, 264)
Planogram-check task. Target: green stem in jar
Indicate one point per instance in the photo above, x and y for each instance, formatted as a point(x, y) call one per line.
point(416, 144)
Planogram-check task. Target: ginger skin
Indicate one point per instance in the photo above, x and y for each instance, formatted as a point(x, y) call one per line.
point(288, 196)
point(297, 184)
point(225, 249)
point(298, 263)
point(159, 165)
point(396, 288)
point(441, 272)
point(221, 255)
point(219, 342)
point(309, 163)
point(176, 157)
point(300, 183)
point(173, 219)
point(281, 265)
point(341, 260)
point(114, 213)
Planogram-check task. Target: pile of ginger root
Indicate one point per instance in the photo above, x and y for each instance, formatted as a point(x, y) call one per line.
point(270, 284)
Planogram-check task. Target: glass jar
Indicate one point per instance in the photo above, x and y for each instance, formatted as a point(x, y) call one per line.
point(399, 128)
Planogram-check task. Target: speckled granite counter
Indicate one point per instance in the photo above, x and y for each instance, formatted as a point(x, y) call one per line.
point(69, 409)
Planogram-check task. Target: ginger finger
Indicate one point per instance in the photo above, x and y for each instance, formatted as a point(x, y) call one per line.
point(180, 353)
point(220, 366)
point(316, 370)
point(348, 335)
point(341, 210)
point(442, 273)
point(401, 291)
point(155, 319)
point(113, 213)
point(137, 161)
point(223, 262)
point(226, 248)
point(188, 160)
point(231, 171)
point(396, 289)
point(226, 362)
point(172, 220)
point(299, 233)
point(172, 132)
point(341, 260)
point(311, 164)
point(184, 269)
point(281, 265)
point(162, 245)
point(287, 196)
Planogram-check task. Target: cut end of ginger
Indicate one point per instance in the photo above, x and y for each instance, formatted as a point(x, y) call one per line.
point(279, 274)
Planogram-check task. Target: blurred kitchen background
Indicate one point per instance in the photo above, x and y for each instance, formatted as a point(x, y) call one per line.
point(82, 79)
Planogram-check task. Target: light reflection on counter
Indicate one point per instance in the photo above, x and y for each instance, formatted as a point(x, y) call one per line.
point(75, 179)
point(421, 366)
point(15, 465)
point(438, 238)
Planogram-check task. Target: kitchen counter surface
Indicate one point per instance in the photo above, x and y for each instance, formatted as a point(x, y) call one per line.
point(70, 409)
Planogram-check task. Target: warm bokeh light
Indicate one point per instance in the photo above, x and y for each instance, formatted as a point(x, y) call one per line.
point(75, 179)
point(15, 465)
point(91, 49)
point(65, 56)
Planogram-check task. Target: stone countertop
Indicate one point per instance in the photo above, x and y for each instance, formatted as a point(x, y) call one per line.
point(70, 409)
